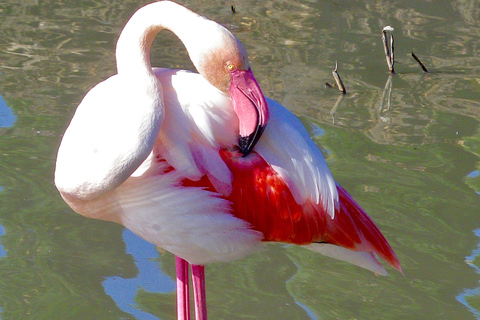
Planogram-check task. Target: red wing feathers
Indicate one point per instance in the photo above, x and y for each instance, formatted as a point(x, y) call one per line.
point(261, 198)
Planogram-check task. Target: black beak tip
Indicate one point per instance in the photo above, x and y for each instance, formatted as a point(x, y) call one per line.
point(247, 143)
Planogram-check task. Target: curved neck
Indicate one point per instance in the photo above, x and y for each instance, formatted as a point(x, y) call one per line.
point(135, 41)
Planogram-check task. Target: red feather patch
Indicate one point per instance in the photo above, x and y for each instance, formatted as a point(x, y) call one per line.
point(261, 197)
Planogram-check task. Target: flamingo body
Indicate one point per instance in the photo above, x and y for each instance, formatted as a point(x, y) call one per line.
point(187, 161)
point(203, 202)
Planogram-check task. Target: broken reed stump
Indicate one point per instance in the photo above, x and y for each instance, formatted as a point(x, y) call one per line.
point(389, 50)
point(338, 80)
point(419, 62)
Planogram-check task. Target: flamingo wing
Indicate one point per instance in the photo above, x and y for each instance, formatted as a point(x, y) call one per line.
point(288, 149)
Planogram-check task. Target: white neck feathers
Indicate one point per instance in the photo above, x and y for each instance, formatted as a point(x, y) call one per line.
point(134, 43)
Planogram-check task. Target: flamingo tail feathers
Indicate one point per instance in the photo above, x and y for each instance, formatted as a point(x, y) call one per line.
point(362, 259)
point(353, 237)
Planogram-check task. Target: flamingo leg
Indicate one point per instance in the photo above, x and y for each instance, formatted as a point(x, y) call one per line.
point(198, 277)
point(183, 299)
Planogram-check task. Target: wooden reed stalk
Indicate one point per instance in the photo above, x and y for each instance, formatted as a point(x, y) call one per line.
point(389, 51)
point(338, 80)
point(419, 62)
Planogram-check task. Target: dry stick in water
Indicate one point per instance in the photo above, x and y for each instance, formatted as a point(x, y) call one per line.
point(389, 52)
point(338, 80)
point(419, 62)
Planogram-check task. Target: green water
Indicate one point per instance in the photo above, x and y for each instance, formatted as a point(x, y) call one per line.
point(407, 150)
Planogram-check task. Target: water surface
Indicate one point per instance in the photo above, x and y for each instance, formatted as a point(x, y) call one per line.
point(406, 147)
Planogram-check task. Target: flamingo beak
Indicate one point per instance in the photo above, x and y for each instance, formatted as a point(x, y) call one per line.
point(250, 106)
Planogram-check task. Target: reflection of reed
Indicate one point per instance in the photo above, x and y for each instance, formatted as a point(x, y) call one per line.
point(386, 97)
point(340, 87)
point(335, 107)
point(379, 131)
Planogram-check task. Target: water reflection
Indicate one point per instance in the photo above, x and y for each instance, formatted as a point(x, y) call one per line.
point(3, 252)
point(309, 312)
point(150, 277)
point(470, 297)
point(7, 118)
point(474, 174)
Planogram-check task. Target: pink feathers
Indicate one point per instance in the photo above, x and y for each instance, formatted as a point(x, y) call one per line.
point(261, 197)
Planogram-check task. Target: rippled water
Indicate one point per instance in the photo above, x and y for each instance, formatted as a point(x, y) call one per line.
point(406, 147)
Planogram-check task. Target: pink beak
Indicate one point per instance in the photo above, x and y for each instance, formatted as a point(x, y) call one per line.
point(250, 106)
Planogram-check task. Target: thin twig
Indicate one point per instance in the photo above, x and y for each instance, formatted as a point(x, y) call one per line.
point(392, 51)
point(419, 62)
point(338, 80)
point(389, 52)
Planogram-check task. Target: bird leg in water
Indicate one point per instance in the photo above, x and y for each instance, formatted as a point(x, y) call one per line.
point(198, 277)
point(183, 305)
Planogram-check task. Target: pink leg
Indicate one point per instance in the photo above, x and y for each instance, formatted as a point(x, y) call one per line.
point(198, 276)
point(183, 298)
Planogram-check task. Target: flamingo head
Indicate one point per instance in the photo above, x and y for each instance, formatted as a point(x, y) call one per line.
point(250, 106)
point(225, 65)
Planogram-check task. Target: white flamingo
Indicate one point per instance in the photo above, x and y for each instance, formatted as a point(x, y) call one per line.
point(188, 162)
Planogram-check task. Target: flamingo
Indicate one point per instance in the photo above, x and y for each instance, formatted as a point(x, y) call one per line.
point(202, 164)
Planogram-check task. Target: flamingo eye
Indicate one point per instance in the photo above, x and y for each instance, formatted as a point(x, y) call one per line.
point(230, 67)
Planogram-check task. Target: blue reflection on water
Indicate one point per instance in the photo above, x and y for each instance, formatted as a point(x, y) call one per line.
point(316, 131)
point(474, 174)
point(301, 305)
point(3, 253)
point(7, 118)
point(462, 297)
point(150, 277)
